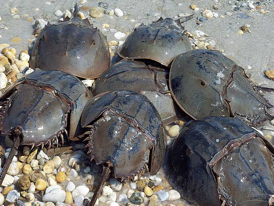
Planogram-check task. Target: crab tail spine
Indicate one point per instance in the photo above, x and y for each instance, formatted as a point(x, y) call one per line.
point(76, 10)
point(105, 175)
point(15, 147)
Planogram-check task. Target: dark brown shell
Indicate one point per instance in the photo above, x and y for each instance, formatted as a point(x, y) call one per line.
point(138, 77)
point(128, 128)
point(160, 41)
point(219, 87)
point(222, 158)
point(73, 46)
point(43, 105)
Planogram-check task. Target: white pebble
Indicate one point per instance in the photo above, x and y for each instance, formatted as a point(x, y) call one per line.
point(212, 43)
point(2, 199)
point(3, 81)
point(55, 195)
point(58, 13)
point(174, 131)
point(73, 173)
point(118, 12)
point(158, 181)
point(115, 184)
point(70, 186)
point(88, 82)
point(8, 180)
point(41, 155)
point(79, 200)
point(52, 181)
point(250, 5)
point(13, 169)
point(119, 35)
point(67, 14)
point(122, 198)
point(34, 163)
point(107, 191)
point(228, 13)
point(57, 161)
point(133, 185)
point(129, 193)
point(48, 3)
point(80, 190)
point(174, 195)
point(162, 195)
point(208, 14)
point(53, 187)
point(31, 188)
point(215, 14)
point(12, 196)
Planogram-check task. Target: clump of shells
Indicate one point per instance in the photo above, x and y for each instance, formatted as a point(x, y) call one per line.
point(10, 65)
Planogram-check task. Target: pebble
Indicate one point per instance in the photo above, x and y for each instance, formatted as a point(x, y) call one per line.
point(40, 184)
point(51, 181)
point(118, 12)
point(228, 13)
point(24, 182)
point(12, 196)
point(240, 32)
point(148, 191)
point(103, 5)
point(3, 81)
point(202, 19)
point(114, 204)
point(58, 13)
point(49, 167)
point(79, 200)
point(115, 184)
point(208, 14)
point(34, 164)
point(42, 155)
point(81, 15)
point(55, 195)
point(96, 12)
point(14, 10)
point(162, 195)
point(70, 186)
point(193, 6)
point(8, 180)
point(31, 188)
point(122, 198)
point(119, 35)
point(270, 74)
point(174, 131)
point(80, 190)
point(61, 177)
point(30, 197)
point(73, 173)
point(13, 169)
point(7, 189)
point(153, 201)
point(133, 185)
point(136, 198)
point(173, 195)
point(69, 199)
point(141, 184)
point(67, 14)
point(111, 12)
point(31, 156)
point(49, 204)
point(88, 82)
point(2, 199)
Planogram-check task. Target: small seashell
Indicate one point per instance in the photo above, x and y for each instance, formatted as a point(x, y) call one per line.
point(118, 12)
point(208, 14)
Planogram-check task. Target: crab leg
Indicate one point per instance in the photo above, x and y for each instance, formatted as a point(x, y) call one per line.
point(15, 147)
point(105, 175)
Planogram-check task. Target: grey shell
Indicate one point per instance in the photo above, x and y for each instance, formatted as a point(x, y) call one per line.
point(160, 41)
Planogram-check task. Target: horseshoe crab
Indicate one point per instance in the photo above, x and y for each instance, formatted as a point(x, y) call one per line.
point(73, 46)
point(160, 41)
point(219, 87)
point(222, 160)
point(138, 77)
point(40, 108)
point(125, 133)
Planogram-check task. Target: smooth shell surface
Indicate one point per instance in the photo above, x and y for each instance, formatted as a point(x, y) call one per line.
point(160, 41)
point(138, 77)
point(131, 127)
point(219, 87)
point(221, 156)
point(72, 46)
